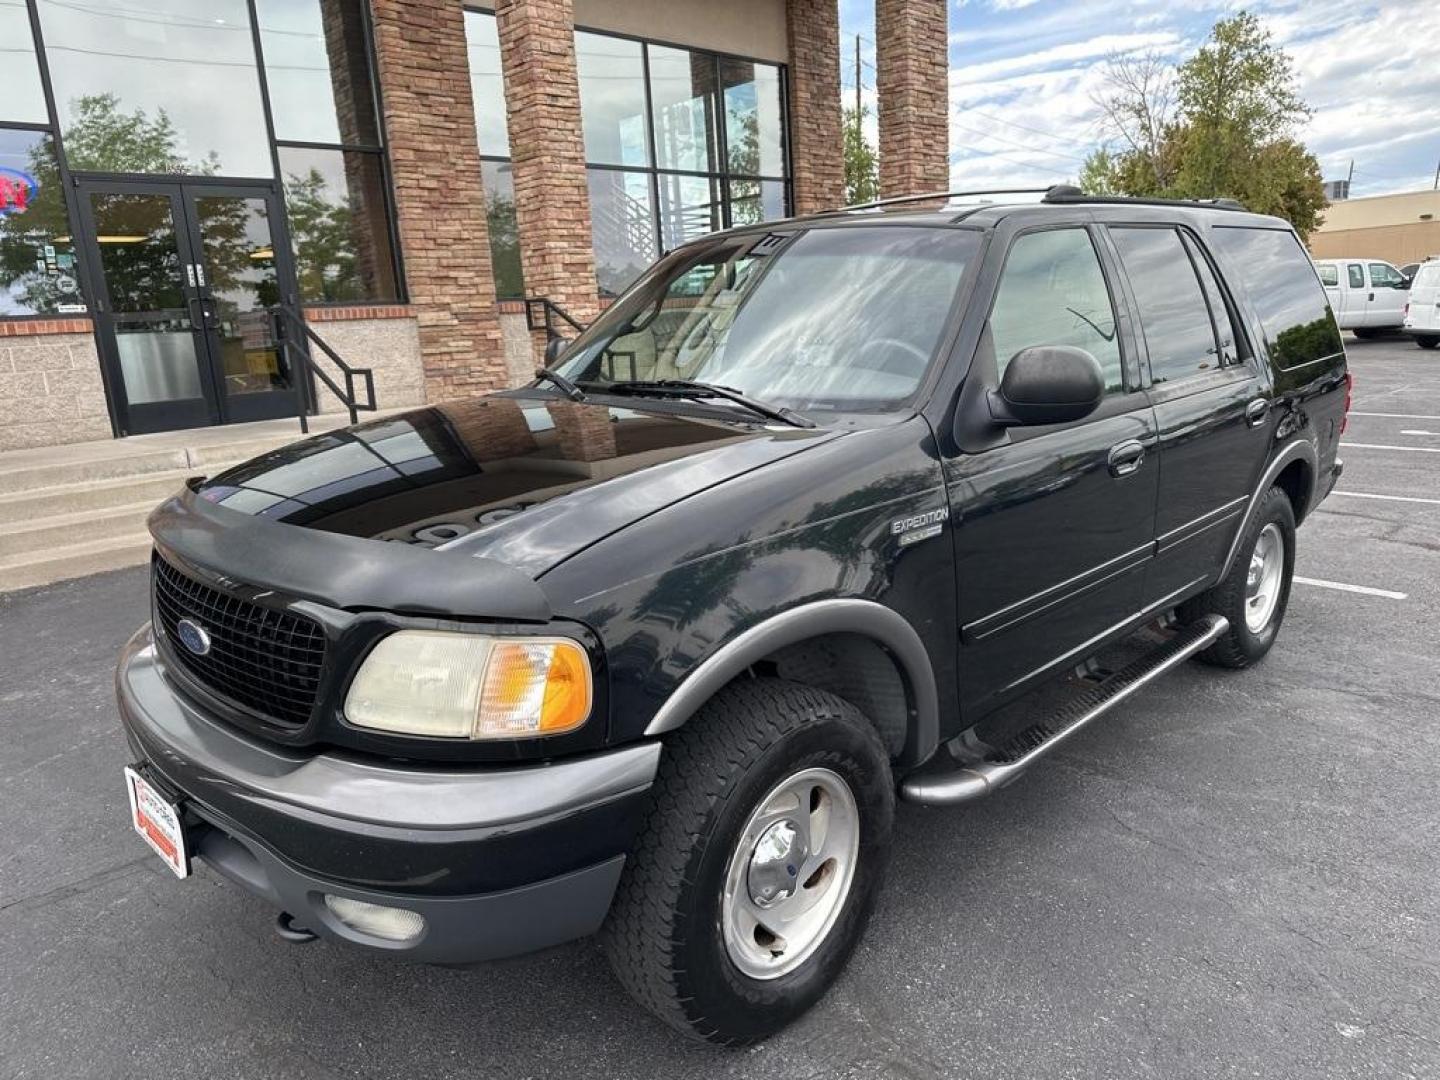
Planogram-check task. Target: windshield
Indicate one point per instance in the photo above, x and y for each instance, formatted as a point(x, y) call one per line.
point(843, 319)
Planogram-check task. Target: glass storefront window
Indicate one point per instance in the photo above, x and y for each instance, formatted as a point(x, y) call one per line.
point(317, 71)
point(157, 86)
point(682, 97)
point(335, 200)
point(487, 85)
point(23, 101)
point(612, 100)
point(689, 208)
point(38, 275)
point(754, 126)
point(622, 218)
point(499, 184)
point(754, 201)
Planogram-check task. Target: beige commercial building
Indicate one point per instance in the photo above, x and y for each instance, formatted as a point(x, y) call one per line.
point(1397, 228)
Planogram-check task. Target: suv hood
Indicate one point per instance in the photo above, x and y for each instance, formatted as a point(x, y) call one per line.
point(525, 481)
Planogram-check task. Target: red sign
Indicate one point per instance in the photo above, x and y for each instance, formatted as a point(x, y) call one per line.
point(17, 190)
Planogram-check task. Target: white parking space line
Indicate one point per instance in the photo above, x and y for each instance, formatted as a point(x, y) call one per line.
point(1414, 431)
point(1363, 590)
point(1387, 498)
point(1388, 446)
point(1396, 415)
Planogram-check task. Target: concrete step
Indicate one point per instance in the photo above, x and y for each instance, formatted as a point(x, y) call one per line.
point(74, 560)
point(92, 496)
point(29, 535)
point(129, 457)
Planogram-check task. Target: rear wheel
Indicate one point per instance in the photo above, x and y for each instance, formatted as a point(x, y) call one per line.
point(1254, 594)
point(760, 860)
point(1427, 341)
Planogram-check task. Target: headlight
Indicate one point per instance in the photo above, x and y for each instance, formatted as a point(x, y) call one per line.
point(468, 686)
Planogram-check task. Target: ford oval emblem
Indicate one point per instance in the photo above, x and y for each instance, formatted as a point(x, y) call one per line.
point(193, 636)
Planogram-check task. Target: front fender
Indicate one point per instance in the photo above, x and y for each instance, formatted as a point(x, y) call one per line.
point(867, 618)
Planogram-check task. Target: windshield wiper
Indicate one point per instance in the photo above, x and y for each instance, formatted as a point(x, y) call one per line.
point(564, 385)
point(687, 388)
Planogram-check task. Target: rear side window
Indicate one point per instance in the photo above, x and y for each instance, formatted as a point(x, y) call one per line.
point(1280, 280)
point(1385, 276)
point(1052, 292)
point(1174, 316)
point(1357, 276)
point(1329, 275)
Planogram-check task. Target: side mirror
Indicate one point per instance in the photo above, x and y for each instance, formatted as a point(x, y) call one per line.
point(1047, 384)
point(554, 348)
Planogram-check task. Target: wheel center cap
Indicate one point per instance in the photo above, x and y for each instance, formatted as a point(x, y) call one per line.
point(775, 864)
point(1257, 571)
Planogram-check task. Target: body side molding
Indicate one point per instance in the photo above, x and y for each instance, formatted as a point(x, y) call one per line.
point(865, 617)
point(1298, 450)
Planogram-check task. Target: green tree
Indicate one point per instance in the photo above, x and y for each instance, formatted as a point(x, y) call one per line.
point(1097, 175)
point(862, 168)
point(1232, 135)
point(320, 227)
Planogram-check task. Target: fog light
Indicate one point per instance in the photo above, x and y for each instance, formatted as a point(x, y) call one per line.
point(390, 923)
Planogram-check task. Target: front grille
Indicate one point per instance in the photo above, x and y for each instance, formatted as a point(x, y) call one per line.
point(263, 658)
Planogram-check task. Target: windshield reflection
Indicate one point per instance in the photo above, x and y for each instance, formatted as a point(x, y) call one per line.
point(831, 318)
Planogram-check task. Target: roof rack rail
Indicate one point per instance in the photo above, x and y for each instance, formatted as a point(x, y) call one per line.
point(931, 195)
point(1069, 193)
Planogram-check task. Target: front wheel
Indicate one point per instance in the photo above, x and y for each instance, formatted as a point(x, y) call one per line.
point(1365, 333)
point(1427, 341)
point(759, 862)
point(1254, 594)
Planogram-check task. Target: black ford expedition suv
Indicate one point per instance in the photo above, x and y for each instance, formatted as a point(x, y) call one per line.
point(794, 529)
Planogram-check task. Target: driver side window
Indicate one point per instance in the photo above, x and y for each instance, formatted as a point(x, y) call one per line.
point(1052, 292)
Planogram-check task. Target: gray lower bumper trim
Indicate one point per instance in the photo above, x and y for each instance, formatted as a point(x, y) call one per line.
point(458, 930)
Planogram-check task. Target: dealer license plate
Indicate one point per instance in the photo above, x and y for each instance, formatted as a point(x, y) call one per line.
point(157, 820)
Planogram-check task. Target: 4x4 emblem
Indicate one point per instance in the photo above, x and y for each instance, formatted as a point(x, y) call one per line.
point(193, 636)
point(917, 527)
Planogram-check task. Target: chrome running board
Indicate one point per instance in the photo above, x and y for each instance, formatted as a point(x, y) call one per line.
point(948, 783)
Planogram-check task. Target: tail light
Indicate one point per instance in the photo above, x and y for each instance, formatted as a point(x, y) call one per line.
point(1349, 391)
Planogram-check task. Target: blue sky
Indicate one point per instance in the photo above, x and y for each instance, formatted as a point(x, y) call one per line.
point(1023, 72)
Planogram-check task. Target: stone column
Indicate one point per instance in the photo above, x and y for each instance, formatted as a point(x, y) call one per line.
point(912, 82)
point(817, 150)
point(547, 148)
point(435, 160)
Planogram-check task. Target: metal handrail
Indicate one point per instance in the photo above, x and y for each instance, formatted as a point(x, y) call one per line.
point(301, 367)
point(549, 313)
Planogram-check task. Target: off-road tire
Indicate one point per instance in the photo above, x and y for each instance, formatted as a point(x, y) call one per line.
point(1239, 647)
point(663, 935)
point(1427, 341)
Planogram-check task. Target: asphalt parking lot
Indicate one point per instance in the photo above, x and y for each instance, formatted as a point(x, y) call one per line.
point(1233, 875)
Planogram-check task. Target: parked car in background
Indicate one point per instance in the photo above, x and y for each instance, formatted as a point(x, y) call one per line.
point(1422, 313)
point(1368, 295)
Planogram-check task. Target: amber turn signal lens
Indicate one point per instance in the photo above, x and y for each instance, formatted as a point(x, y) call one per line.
point(534, 687)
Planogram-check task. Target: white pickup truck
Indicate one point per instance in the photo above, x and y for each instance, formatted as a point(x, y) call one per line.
point(1422, 314)
point(1368, 295)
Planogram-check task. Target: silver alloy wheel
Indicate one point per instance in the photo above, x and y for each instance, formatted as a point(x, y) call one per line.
point(790, 873)
point(1262, 581)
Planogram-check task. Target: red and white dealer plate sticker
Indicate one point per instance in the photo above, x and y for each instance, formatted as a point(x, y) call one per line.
point(157, 820)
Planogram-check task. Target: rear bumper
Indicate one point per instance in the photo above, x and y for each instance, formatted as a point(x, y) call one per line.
point(499, 860)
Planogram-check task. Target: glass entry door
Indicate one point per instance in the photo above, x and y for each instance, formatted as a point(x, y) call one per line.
point(184, 275)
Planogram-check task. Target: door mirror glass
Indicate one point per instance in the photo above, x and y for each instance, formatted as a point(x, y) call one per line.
point(554, 349)
point(1048, 384)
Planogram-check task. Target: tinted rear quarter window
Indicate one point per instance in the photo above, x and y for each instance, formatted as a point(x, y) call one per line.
point(1280, 280)
point(1329, 275)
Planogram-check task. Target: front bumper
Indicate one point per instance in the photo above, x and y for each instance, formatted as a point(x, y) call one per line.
point(499, 860)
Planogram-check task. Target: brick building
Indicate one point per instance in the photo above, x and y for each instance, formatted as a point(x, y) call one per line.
point(185, 182)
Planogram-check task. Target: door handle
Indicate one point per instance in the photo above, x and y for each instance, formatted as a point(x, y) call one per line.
point(203, 323)
point(1126, 457)
point(1370, 297)
point(1256, 411)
